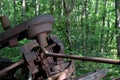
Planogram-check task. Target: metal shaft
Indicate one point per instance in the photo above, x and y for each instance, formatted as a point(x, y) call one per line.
point(11, 67)
point(76, 57)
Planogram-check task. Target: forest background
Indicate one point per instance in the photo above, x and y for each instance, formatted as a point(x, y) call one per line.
point(86, 28)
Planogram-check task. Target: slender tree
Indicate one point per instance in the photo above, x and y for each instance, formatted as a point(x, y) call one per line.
point(87, 29)
point(67, 11)
point(14, 5)
point(23, 10)
point(103, 25)
point(1, 8)
point(117, 23)
point(95, 14)
point(37, 7)
point(52, 6)
point(84, 26)
point(117, 9)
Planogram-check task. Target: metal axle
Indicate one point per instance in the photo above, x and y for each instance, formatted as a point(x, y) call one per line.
point(76, 57)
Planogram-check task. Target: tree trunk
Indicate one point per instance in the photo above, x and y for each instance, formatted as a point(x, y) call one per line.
point(1, 8)
point(84, 17)
point(37, 7)
point(87, 29)
point(67, 10)
point(23, 10)
point(107, 35)
point(117, 23)
point(14, 5)
point(103, 25)
point(95, 13)
point(96, 6)
point(93, 31)
point(52, 6)
point(59, 7)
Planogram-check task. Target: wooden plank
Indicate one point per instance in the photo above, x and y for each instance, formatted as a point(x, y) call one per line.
point(93, 76)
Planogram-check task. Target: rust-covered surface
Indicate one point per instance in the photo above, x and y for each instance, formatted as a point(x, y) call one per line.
point(39, 65)
point(43, 56)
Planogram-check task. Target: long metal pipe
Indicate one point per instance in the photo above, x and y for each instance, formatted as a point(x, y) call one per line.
point(11, 67)
point(75, 57)
point(83, 58)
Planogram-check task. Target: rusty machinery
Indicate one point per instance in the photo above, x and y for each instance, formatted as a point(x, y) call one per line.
point(43, 56)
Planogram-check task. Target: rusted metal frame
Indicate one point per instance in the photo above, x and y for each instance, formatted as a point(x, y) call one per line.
point(102, 60)
point(42, 40)
point(20, 30)
point(13, 66)
point(50, 46)
point(5, 22)
point(64, 56)
point(56, 40)
point(65, 74)
point(21, 61)
point(13, 32)
point(25, 25)
point(76, 57)
point(30, 56)
point(6, 25)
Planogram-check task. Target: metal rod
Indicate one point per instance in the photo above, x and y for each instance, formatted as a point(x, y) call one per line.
point(76, 57)
point(11, 67)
